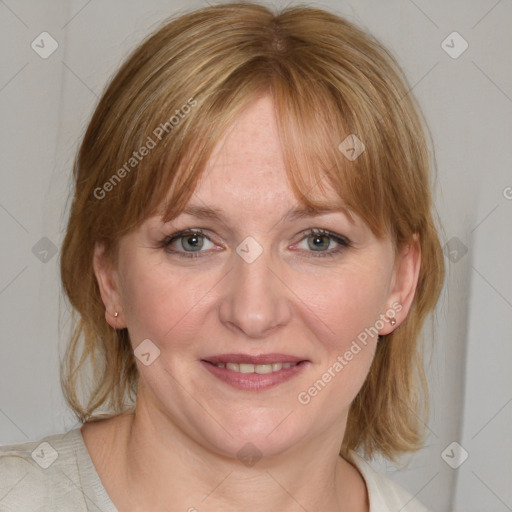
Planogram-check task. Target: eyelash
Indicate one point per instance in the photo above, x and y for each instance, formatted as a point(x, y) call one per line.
point(343, 242)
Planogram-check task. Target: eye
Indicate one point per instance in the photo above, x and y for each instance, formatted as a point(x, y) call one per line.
point(188, 243)
point(191, 242)
point(320, 240)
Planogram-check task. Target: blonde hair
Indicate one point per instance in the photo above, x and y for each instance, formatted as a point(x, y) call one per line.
point(328, 79)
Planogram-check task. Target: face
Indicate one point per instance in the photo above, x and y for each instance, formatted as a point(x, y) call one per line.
point(296, 301)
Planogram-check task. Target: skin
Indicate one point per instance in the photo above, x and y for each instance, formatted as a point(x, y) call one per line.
point(179, 450)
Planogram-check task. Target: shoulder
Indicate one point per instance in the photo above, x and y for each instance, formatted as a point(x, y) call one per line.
point(384, 494)
point(40, 475)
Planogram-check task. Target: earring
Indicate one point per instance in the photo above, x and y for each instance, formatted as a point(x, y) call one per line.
point(392, 321)
point(116, 314)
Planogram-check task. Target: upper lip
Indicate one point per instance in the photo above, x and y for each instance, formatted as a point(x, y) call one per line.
point(248, 359)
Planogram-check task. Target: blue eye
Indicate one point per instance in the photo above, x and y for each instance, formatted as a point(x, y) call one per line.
point(190, 240)
point(189, 243)
point(319, 240)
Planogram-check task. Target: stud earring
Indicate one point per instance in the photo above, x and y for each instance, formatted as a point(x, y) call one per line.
point(116, 314)
point(392, 321)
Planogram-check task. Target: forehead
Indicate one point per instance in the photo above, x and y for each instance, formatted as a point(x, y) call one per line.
point(250, 149)
point(248, 163)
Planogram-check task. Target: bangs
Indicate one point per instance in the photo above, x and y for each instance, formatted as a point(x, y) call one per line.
point(312, 121)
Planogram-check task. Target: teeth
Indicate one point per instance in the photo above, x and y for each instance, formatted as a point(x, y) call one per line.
point(263, 368)
point(255, 368)
point(246, 368)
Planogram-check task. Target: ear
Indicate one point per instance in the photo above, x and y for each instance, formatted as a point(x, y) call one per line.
point(107, 279)
point(403, 285)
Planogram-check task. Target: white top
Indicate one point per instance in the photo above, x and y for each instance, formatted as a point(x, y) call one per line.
point(57, 474)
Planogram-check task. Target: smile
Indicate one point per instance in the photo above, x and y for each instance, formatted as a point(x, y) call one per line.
point(255, 368)
point(254, 373)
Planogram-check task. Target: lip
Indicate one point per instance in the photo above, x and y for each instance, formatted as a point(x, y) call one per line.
point(254, 381)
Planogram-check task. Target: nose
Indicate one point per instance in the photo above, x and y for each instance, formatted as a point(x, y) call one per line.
point(256, 300)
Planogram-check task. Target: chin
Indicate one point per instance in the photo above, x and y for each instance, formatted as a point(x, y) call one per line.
point(257, 435)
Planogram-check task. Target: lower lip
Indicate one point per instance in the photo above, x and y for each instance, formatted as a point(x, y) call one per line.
point(254, 381)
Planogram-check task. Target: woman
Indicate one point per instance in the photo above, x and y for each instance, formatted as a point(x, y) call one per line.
point(251, 255)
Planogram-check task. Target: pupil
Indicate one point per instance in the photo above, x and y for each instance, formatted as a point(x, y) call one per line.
point(321, 239)
point(195, 241)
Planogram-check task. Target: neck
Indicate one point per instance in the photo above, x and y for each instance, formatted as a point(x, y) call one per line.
point(165, 469)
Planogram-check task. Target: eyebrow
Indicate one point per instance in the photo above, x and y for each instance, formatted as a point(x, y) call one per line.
point(299, 212)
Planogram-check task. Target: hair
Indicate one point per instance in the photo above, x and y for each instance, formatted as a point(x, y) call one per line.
point(176, 95)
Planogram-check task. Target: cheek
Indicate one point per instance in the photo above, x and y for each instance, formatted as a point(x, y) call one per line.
point(346, 303)
point(345, 317)
point(160, 304)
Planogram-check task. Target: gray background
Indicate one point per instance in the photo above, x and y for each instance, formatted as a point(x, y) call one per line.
point(46, 103)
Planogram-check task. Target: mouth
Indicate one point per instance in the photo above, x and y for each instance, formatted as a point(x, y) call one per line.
point(260, 369)
point(254, 372)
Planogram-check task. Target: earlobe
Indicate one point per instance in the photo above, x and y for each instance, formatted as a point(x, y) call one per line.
point(108, 286)
point(406, 275)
